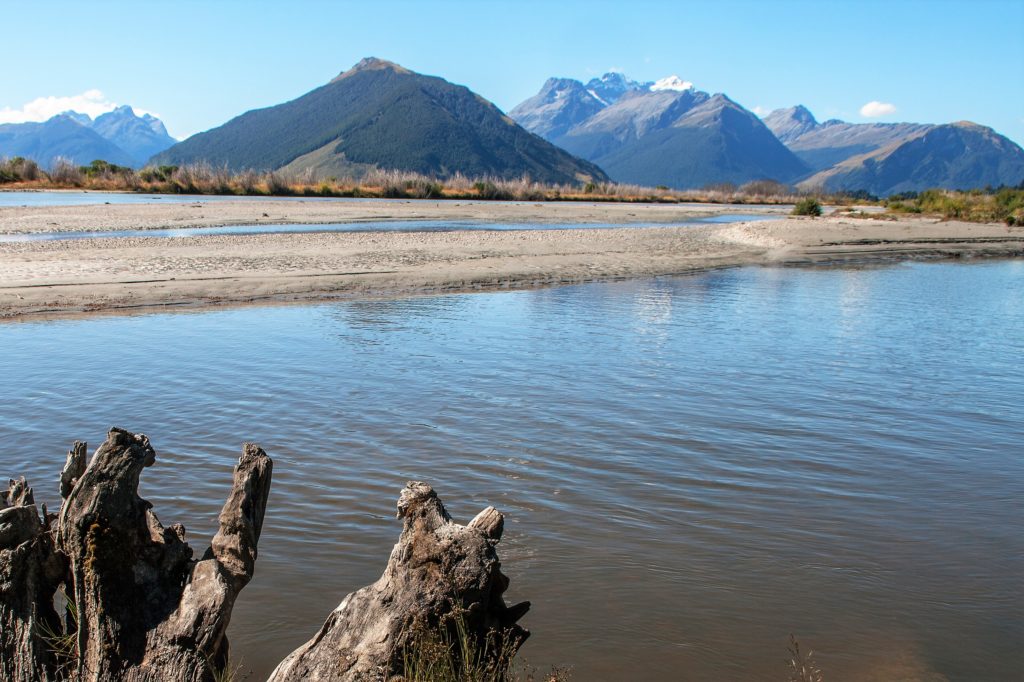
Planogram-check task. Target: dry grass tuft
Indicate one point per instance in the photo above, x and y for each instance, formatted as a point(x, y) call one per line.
point(802, 667)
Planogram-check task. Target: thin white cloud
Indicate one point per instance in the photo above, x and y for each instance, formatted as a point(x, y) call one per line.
point(91, 102)
point(875, 109)
point(760, 111)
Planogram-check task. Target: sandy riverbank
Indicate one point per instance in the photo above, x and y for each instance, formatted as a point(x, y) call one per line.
point(74, 276)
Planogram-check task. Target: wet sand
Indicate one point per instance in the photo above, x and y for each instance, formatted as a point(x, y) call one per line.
point(68, 277)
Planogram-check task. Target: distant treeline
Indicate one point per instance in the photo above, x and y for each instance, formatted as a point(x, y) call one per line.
point(990, 204)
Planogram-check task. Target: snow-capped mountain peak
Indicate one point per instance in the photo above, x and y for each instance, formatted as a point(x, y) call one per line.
point(672, 83)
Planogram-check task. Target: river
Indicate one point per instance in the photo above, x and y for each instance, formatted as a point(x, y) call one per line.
point(692, 468)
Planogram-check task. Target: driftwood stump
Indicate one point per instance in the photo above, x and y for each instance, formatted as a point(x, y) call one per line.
point(143, 608)
point(438, 567)
point(140, 608)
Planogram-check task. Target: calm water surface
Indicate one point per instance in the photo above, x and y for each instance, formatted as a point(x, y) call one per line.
point(692, 468)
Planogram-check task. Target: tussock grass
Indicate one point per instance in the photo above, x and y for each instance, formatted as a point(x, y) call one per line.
point(62, 642)
point(1004, 204)
point(449, 652)
point(64, 173)
point(204, 178)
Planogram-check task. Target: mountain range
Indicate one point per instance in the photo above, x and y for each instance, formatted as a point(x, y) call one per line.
point(663, 132)
point(381, 115)
point(658, 133)
point(668, 133)
point(888, 158)
point(119, 136)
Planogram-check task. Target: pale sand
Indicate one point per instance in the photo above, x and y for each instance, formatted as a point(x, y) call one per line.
point(68, 277)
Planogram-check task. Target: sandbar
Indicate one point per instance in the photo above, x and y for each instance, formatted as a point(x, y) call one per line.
point(124, 274)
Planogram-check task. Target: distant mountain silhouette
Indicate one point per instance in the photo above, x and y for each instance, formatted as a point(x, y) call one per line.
point(380, 115)
point(661, 133)
point(140, 136)
point(61, 136)
point(119, 137)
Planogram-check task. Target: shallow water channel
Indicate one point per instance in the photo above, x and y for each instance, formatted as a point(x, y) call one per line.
point(692, 468)
point(367, 226)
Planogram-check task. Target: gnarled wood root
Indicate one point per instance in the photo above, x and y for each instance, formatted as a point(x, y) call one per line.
point(437, 566)
point(146, 609)
point(30, 570)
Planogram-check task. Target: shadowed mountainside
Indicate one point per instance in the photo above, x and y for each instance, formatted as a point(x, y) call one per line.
point(380, 115)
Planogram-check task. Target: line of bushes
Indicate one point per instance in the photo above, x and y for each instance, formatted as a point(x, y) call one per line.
point(19, 169)
point(1005, 204)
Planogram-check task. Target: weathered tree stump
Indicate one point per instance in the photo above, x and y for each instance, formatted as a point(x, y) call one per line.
point(438, 567)
point(145, 609)
point(142, 609)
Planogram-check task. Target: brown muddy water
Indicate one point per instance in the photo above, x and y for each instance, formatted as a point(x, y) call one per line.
point(691, 468)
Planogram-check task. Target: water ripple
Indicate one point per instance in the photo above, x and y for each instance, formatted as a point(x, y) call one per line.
point(692, 468)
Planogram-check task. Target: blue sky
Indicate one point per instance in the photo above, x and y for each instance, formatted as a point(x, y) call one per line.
point(197, 64)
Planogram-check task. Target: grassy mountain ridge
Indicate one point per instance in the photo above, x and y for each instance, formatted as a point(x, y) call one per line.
point(380, 114)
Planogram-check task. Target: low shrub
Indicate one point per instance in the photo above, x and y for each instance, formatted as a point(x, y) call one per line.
point(103, 169)
point(807, 206)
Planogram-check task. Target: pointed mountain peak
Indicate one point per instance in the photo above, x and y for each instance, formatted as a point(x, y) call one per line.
point(790, 123)
point(613, 85)
point(81, 119)
point(372, 64)
point(559, 84)
point(799, 114)
point(720, 100)
point(615, 78)
point(672, 83)
point(124, 111)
